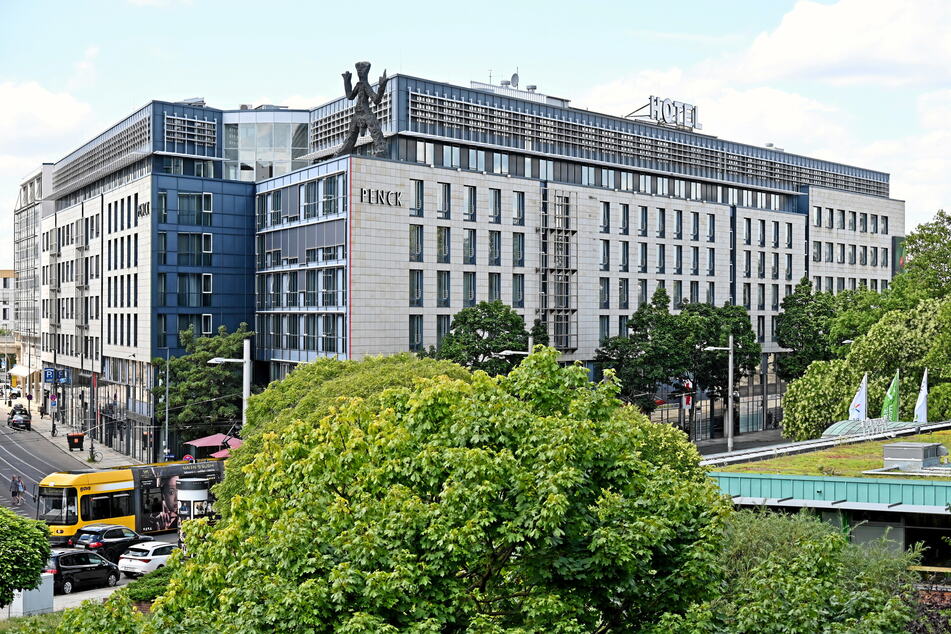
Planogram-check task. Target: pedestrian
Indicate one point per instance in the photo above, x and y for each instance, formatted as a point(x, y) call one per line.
point(15, 490)
point(21, 490)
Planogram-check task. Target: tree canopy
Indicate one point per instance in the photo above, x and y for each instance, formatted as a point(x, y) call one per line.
point(479, 333)
point(529, 502)
point(928, 251)
point(803, 328)
point(24, 551)
point(196, 388)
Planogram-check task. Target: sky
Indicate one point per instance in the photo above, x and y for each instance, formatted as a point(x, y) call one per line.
point(863, 82)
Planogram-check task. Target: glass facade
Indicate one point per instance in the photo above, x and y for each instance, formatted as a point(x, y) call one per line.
point(264, 143)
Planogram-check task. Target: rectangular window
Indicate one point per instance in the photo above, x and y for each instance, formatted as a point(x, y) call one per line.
point(416, 243)
point(642, 228)
point(851, 254)
point(443, 324)
point(471, 203)
point(661, 258)
point(415, 288)
point(605, 263)
point(605, 217)
point(604, 292)
point(444, 211)
point(518, 249)
point(206, 243)
point(694, 260)
point(874, 224)
point(661, 222)
point(840, 219)
point(852, 221)
point(625, 219)
point(678, 224)
point(829, 250)
point(863, 223)
point(789, 266)
point(495, 206)
point(469, 246)
point(518, 290)
point(625, 256)
point(623, 294)
point(711, 261)
point(694, 225)
point(604, 328)
point(417, 207)
point(678, 297)
point(774, 270)
point(761, 265)
point(642, 257)
point(816, 251)
point(641, 292)
point(468, 289)
point(678, 259)
point(817, 216)
point(711, 228)
point(495, 286)
point(442, 288)
point(518, 209)
point(711, 293)
point(495, 248)
point(884, 226)
point(163, 247)
point(416, 333)
point(442, 245)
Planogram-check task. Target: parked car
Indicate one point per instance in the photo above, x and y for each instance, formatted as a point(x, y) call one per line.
point(74, 568)
point(19, 409)
point(145, 557)
point(19, 421)
point(15, 393)
point(109, 540)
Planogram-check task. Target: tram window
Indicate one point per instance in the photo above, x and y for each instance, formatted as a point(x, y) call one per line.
point(121, 505)
point(96, 507)
point(152, 500)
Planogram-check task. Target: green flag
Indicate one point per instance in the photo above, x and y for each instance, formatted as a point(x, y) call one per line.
point(890, 406)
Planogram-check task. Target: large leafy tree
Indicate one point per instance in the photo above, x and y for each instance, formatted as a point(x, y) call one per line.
point(534, 501)
point(803, 328)
point(710, 326)
point(928, 251)
point(24, 551)
point(202, 397)
point(655, 351)
point(479, 333)
point(798, 574)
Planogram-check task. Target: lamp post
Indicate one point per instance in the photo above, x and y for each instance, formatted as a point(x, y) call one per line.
point(729, 403)
point(246, 377)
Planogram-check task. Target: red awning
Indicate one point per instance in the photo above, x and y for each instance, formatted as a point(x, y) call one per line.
point(224, 453)
point(215, 440)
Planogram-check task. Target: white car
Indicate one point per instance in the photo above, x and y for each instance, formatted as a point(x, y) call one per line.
point(145, 557)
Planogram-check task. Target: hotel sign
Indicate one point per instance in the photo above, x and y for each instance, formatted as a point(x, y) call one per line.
point(381, 197)
point(674, 113)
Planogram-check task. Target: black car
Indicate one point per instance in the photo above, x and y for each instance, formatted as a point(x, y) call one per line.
point(109, 540)
point(19, 409)
point(19, 421)
point(74, 568)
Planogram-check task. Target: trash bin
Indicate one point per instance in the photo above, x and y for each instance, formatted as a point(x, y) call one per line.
point(75, 441)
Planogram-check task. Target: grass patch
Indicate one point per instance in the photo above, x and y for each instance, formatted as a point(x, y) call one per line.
point(39, 624)
point(844, 460)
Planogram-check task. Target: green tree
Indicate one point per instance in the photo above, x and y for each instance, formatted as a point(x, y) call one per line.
point(529, 502)
point(928, 251)
point(710, 326)
point(479, 333)
point(24, 551)
point(656, 350)
point(202, 396)
point(818, 398)
point(803, 328)
point(797, 574)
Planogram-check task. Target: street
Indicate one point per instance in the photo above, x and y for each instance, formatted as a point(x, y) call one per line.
point(32, 457)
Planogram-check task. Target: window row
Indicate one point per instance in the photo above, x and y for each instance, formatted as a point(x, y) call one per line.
point(470, 293)
point(471, 204)
point(122, 214)
point(80, 270)
point(469, 246)
point(693, 293)
point(849, 254)
point(78, 232)
point(194, 249)
point(71, 345)
point(323, 288)
point(122, 252)
point(122, 291)
point(122, 329)
point(851, 283)
point(184, 289)
point(852, 221)
point(80, 309)
point(201, 323)
point(675, 260)
point(324, 197)
point(316, 333)
point(774, 235)
point(657, 224)
point(190, 208)
point(787, 271)
point(775, 299)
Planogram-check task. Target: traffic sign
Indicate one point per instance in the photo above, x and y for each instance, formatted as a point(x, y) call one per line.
point(188, 457)
point(49, 375)
point(52, 400)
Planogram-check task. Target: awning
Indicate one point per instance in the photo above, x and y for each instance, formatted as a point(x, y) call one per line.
point(215, 440)
point(234, 443)
point(20, 370)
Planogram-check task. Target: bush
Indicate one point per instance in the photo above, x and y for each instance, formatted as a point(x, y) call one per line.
point(38, 624)
point(24, 552)
point(149, 587)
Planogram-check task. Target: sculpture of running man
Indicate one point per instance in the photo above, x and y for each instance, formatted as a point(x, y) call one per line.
point(363, 117)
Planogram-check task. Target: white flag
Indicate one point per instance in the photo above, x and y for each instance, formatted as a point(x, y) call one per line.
point(859, 408)
point(921, 405)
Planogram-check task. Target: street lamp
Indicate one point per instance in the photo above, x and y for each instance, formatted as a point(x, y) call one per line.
point(729, 402)
point(246, 377)
point(518, 353)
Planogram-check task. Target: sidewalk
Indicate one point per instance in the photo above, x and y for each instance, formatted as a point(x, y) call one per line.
point(748, 440)
point(42, 426)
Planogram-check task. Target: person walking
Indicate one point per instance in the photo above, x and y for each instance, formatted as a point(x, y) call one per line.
point(15, 490)
point(21, 490)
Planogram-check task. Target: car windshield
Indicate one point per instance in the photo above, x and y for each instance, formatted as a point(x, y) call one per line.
point(86, 538)
point(136, 552)
point(57, 505)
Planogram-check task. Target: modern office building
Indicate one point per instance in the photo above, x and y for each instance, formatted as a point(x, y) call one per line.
point(571, 217)
point(185, 215)
point(144, 238)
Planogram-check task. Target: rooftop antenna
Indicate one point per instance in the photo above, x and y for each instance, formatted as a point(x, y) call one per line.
point(490, 75)
point(515, 79)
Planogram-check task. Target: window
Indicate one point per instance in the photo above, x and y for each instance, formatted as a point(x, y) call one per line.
point(163, 247)
point(761, 296)
point(816, 251)
point(852, 254)
point(840, 219)
point(206, 243)
point(468, 289)
point(789, 266)
point(605, 263)
point(661, 222)
point(884, 258)
point(625, 219)
point(442, 288)
point(678, 224)
point(495, 248)
point(711, 228)
point(641, 292)
point(471, 202)
point(416, 333)
point(442, 245)
point(444, 211)
point(747, 231)
point(661, 258)
point(641, 258)
point(873, 259)
point(623, 294)
point(642, 228)
point(747, 292)
point(711, 293)
point(417, 207)
point(761, 265)
point(884, 225)
point(604, 292)
point(469, 246)
point(774, 270)
point(817, 216)
point(415, 288)
point(518, 290)
point(874, 224)
point(775, 227)
point(863, 255)
point(789, 233)
point(518, 209)
point(605, 217)
point(852, 221)
point(162, 203)
point(694, 260)
point(829, 252)
point(694, 225)
point(443, 323)
point(416, 243)
point(518, 249)
point(495, 206)
point(625, 256)
point(761, 237)
point(206, 324)
point(678, 294)
point(711, 261)
point(495, 286)
point(604, 328)
point(206, 282)
point(678, 259)
point(863, 223)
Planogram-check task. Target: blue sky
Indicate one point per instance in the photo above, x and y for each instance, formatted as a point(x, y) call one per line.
point(866, 82)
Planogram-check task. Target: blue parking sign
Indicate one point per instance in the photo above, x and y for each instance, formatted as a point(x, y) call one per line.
point(49, 375)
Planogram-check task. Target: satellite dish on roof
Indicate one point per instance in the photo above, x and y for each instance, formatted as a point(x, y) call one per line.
point(515, 80)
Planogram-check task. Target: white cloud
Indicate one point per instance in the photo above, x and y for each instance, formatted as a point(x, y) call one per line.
point(854, 41)
point(84, 71)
